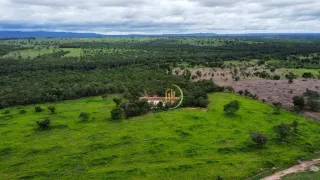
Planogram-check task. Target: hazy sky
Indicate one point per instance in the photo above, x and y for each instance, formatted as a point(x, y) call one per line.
point(161, 16)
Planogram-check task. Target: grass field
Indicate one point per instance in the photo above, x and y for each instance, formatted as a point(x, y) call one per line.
point(73, 52)
point(29, 53)
point(180, 144)
point(299, 72)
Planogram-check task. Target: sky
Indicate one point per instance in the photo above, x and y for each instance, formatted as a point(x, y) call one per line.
point(161, 16)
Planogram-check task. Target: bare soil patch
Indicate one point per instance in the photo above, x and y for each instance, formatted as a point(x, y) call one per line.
point(269, 90)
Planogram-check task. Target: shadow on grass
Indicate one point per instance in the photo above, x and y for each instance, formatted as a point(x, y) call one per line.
point(245, 148)
point(6, 117)
point(232, 115)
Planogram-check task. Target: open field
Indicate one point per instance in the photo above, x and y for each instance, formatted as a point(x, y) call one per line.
point(180, 144)
point(31, 53)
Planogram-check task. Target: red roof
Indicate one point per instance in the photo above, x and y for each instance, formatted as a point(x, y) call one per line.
point(153, 98)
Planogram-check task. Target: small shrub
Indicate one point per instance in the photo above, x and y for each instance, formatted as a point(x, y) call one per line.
point(44, 124)
point(6, 112)
point(259, 139)
point(313, 98)
point(299, 102)
point(105, 96)
point(22, 111)
point(52, 109)
point(199, 73)
point(282, 130)
point(290, 81)
point(84, 116)
point(295, 125)
point(229, 89)
point(202, 102)
point(255, 97)
point(160, 105)
point(237, 78)
point(313, 104)
point(240, 92)
point(219, 178)
point(231, 107)
point(312, 94)
point(272, 70)
point(307, 75)
point(247, 93)
point(117, 101)
point(277, 107)
point(38, 109)
point(276, 77)
point(117, 113)
point(291, 76)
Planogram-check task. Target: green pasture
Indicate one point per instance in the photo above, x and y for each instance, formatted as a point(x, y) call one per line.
point(301, 71)
point(181, 144)
point(30, 52)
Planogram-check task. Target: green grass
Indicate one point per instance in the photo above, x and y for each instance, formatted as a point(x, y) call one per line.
point(299, 72)
point(180, 144)
point(74, 52)
point(29, 53)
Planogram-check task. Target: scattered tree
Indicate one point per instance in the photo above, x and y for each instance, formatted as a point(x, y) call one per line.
point(84, 116)
point(282, 130)
point(44, 124)
point(199, 73)
point(259, 139)
point(219, 178)
point(22, 111)
point(38, 109)
point(277, 107)
point(231, 107)
point(276, 77)
point(52, 109)
point(307, 75)
point(298, 102)
point(295, 125)
point(160, 105)
point(6, 112)
point(117, 113)
point(117, 101)
point(272, 69)
point(313, 100)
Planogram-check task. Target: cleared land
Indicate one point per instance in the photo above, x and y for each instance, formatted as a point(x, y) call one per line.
point(269, 90)
point(180, 144)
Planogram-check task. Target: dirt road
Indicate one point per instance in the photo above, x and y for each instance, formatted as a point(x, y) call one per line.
point(303, 166)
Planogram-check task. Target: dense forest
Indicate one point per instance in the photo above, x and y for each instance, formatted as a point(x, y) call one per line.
point(133, 66)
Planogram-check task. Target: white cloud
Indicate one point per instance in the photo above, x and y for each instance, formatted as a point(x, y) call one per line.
point(162, 16)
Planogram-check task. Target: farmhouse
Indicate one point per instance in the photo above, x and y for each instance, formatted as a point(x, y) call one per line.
point(154, 100)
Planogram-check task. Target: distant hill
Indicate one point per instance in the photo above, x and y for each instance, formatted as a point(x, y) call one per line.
point(48, 34)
